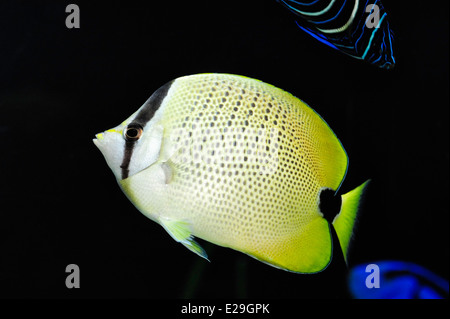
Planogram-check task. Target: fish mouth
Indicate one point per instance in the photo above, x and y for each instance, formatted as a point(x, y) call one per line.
point(98, 137)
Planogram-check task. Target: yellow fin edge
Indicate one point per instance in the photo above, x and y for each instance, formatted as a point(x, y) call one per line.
point(344, 222)
point(181, 232)
point(308, 253)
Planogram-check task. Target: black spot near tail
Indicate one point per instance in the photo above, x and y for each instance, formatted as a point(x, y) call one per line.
point(330, 204)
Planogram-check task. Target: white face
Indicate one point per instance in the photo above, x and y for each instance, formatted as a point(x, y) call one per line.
point(130, 147)
point(112, 143)
point(135, 144)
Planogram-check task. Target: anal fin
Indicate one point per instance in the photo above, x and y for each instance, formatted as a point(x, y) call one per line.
point(180, 231)
point(307, 253)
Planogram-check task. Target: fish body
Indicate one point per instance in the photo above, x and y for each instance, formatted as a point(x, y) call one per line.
point(359, 28)
point(236, 162)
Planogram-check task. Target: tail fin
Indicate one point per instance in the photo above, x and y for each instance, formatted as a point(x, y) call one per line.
point(344, 221)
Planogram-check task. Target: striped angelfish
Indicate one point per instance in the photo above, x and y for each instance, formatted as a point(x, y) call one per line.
point(358, 28)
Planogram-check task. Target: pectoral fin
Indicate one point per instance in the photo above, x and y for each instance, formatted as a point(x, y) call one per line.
point(181, 232)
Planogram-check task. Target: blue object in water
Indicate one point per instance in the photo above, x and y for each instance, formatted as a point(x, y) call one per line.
point(359, 28)
point(396, 280)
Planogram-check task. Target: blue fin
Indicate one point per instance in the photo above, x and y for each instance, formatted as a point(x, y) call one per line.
point(317, 36)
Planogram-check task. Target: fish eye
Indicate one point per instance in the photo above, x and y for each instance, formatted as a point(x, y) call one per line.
point(133, 132)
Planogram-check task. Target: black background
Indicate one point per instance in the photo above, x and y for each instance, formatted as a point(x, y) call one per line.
point(60, 204)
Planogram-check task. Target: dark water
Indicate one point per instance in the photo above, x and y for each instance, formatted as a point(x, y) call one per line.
point(59, 202)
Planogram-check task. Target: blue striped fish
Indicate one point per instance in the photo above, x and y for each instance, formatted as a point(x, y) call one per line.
point(358, 28)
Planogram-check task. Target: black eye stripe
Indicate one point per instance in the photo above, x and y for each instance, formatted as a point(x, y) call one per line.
point(152, 105)
point(139, 122)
